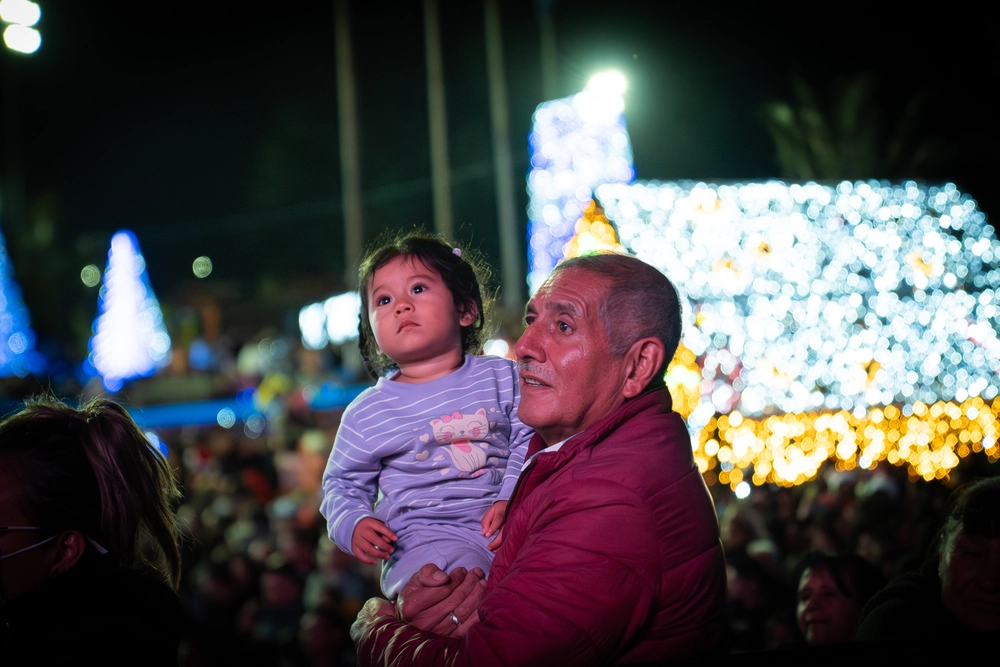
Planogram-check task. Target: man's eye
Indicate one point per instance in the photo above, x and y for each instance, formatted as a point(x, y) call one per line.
point(563, 327)
point(529, 319)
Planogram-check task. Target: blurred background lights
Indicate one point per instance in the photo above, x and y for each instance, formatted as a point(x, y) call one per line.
point(332, 321)
point(22, 38)
point(576, 144)
point(226, 418)
point(497, 347)
point(742, 490)
point(820, 320)
point(202, 267)
point(22, 12)
point(90, 275)
point(17, 340)
point(156, 443)
point(130, 339)
point(608, 83)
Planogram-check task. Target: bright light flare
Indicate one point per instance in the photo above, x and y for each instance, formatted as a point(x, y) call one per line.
point(22, 38)
point(608, 83)
point(22, 12)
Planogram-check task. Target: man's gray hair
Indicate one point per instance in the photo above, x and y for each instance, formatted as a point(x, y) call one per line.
point(641, 302)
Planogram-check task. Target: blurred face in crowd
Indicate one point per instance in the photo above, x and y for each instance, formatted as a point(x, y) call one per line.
point(826, 614)
point(970, 579)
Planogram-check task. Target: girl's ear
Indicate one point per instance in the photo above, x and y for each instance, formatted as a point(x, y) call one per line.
point(468, 314)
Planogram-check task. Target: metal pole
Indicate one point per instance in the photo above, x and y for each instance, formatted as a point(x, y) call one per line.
point(512, 268)
point(547, 28)
point(437, 119)
point(350, 156)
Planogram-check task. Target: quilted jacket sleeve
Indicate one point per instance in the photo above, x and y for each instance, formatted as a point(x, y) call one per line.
point(569, 596)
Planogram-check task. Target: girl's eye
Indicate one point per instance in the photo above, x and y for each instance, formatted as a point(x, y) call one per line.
point(382, 300)
point(417, 289)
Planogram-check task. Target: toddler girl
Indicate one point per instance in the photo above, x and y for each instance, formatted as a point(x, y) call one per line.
point(425, 461)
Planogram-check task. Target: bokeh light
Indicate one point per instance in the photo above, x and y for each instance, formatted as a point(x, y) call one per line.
point(23, 12)
point(815, 311)
point(130, 339)
point(576, 144)
point(90, 275)
point(22, 38)
point(496, 347)
point(332, 321)
point(202, 267)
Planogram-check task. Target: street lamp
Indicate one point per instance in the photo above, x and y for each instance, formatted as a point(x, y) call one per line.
point(20, 16)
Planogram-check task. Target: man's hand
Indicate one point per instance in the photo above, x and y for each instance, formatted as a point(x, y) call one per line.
point(374, 609)
point(371, 540)
point(431, 597)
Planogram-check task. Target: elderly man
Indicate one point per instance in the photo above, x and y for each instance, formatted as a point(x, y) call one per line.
point(611, 550)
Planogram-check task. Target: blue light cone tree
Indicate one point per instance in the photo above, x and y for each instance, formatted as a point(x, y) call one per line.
point(17, 340)
point(130, 340)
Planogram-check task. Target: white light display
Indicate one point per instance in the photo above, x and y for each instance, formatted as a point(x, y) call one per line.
point(810, 297)
point(854, 323)
point(130, 339)
point(576, 143)
point(332, 321)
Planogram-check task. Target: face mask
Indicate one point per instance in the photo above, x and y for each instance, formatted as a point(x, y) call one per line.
point(14, 553)
point(28, 548)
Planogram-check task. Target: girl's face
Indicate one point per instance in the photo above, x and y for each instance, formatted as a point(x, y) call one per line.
point(825, 615)
point(413, 315)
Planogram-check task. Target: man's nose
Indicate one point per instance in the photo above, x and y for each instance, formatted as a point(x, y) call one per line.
point(528, 346)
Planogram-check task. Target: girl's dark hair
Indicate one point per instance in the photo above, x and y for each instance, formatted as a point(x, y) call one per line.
point(853, 576)
point(462, 272)
point(91, 469)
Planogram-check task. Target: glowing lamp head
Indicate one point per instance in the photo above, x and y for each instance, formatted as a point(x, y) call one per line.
point(611, 84)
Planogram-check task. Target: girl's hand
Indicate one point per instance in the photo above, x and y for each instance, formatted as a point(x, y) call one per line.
point(372, 539)
point(493, 523)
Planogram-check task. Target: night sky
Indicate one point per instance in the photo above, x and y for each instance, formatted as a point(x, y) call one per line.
point(215, 133)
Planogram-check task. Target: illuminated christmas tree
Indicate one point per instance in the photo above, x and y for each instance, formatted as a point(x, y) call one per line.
point(17, 340)
point(130, 340)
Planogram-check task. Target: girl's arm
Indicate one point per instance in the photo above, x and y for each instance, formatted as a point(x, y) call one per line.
point(350, 483)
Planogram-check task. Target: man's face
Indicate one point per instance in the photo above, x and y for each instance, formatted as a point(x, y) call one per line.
point(569, 378)
point(970, 580)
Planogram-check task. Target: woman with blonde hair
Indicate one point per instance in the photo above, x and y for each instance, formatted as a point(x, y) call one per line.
point(89, 555)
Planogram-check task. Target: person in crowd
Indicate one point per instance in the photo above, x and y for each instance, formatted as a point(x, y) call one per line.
point(611, 551)
point(424, 462)
point(89, 557)
point(957, 590)
point(833, 589)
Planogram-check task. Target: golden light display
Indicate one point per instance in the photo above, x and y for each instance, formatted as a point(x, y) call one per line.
point(592, 233)
point(789, 449)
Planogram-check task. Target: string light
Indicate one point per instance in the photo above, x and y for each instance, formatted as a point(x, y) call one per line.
point(576, 144)
point(807, 301)
point(855, 323)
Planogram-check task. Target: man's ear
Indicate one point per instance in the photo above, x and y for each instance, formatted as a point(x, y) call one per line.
point(469, 314)
point(643, 361)
point(70, 547)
